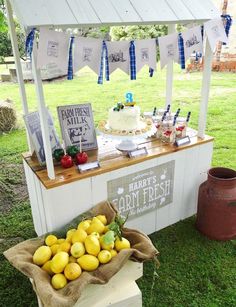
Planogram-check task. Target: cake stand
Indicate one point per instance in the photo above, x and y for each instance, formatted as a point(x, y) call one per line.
point(128, 139)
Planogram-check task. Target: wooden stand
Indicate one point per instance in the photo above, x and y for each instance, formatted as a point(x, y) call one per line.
point(120, 291)
point(56, 202)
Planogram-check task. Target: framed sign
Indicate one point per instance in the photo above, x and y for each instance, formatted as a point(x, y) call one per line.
point(32, 122)
point(143, 191)
point(76, 122)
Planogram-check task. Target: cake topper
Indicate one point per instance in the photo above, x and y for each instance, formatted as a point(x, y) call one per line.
point(129, 100)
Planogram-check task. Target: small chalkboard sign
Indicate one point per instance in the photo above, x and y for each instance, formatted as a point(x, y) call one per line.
point(88, 166)
point(138, 152)
point(183, 141)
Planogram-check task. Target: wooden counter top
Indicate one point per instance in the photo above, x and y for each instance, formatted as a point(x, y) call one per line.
point(110, 159)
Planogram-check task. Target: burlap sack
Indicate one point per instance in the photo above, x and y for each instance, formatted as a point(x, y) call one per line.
point(20, 256)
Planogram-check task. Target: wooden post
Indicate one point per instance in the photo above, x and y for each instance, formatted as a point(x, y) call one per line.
point(169, 72)
point(43, 117)
point(219, 45)
point(16, 53)
point(206, 79)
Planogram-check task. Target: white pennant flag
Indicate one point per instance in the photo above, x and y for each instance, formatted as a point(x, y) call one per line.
point(215, 32)
point(192, 41)
point(87, 52)
point(145, 52)
point(118, 56)
point(168, 46)
point(53, 50)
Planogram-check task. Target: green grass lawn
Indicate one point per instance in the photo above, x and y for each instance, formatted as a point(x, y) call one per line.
point(194, 271)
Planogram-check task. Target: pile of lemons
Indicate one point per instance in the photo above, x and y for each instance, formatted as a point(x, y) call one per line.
point(83, 249)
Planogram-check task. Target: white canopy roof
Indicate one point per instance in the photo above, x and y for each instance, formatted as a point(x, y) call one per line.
point(78, 13)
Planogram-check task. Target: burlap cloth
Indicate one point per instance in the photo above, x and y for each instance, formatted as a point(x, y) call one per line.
point(20, 256)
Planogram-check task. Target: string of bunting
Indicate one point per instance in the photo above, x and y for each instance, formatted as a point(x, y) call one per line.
point(56, 47)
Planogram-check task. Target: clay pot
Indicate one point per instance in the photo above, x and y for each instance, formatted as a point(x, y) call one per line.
point(216, 213)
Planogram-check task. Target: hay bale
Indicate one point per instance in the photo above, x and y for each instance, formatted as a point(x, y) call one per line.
point(7, 116)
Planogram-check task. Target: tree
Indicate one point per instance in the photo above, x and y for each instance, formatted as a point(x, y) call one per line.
point(5, 42)
point(137, 32)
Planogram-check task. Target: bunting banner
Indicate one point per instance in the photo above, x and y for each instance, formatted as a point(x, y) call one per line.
point(192, 41)
point(53, 50)
point(169, 51)
point(70, 54)
point(215, 32)
point(87, 52)
point(145, 52)
point(118, 56)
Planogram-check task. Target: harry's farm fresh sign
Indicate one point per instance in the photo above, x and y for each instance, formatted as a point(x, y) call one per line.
point(143, 191)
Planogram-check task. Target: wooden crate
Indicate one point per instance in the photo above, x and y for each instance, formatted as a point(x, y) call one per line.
point(120, 291)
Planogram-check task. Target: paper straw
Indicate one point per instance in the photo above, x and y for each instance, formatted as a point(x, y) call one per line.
point(168, 108)
point(177, 112)
point(163, 116)
point(188, 117)
point(154, 111)
point(174, 121)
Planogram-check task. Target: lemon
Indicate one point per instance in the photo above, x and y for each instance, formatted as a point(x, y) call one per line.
point(106, 246)
point(72, 259)
point(64, 247)
point(96, 226)
point(47, 267)
point(106, 229)
point(79, 236)
point(121, 244)
point(72, 271)
point(54, 248)
point(42, 255)
point(102, 218)
point(96, 234)
point(50, 240)
point(59, 241)
point(59, 261)
point(92, 245)
point(69, 234)
point(104, 256)
point(84, 225)
point(58, 281)
point(113, 253)
point(77, 249)
point(88, 262)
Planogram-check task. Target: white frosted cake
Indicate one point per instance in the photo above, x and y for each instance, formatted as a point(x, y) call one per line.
point(127, 118)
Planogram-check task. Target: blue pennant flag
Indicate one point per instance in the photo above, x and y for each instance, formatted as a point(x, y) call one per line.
point(70, 60)
point(202, 31)
point(151, 72)
point(181, 51)
point(104, 55)
point(228, 23)
point(29, 43)
point(132, 61)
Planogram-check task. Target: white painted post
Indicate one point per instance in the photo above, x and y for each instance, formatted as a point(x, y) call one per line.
point(18, 66)
point(206, 79)
point(43, 117)
point(169, 72)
